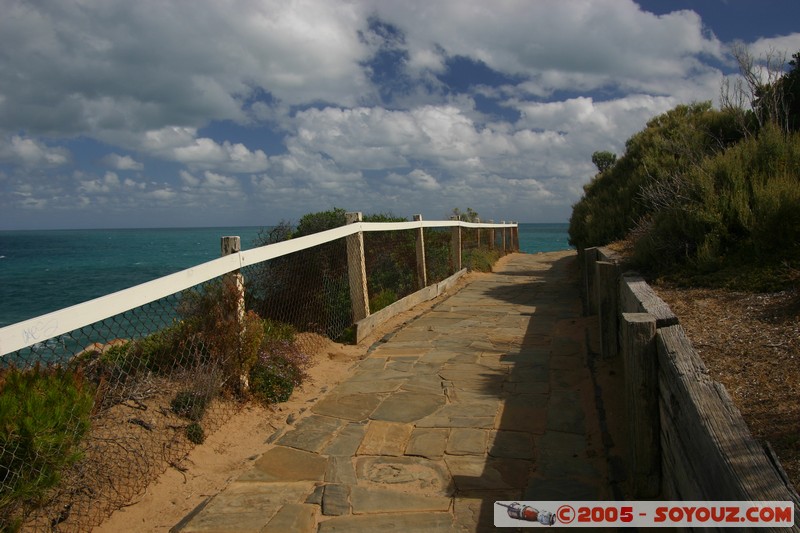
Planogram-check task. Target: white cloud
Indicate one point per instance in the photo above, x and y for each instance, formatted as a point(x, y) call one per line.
point(122, 162)
point(783, 46)
point(181, 144)
point(32, 153)
point(196, 85)
point(115, 67)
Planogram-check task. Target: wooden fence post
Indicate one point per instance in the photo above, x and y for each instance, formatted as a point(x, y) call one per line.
point(233, 245)
point(515, 237)
point(357, 270)
point(422, 272)
point(504, 236)
point(479, 232)
point(455, 247)
point(492, 239)
point(641, 403)
point(607, 287)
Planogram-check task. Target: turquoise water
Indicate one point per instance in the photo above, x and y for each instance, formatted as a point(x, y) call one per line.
point(43, 271)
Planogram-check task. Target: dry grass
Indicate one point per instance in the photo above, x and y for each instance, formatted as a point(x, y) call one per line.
point(751, 344)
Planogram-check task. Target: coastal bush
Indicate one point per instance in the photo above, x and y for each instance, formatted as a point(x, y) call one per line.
point(191, 404)
point(280, 367)
point(384, 298)
point(480, 259)
point(44, 415)
point(699, 203)
point(195, 433)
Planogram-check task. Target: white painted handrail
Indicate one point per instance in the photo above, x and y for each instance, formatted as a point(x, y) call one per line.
point(29, 332)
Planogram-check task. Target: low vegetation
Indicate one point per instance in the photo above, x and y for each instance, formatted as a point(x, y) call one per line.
point(705, 196)
point(44, 414)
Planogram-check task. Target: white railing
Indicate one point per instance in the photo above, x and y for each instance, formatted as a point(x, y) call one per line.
point(30, 332)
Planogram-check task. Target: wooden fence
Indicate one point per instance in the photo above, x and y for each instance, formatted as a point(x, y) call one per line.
point(686, 438)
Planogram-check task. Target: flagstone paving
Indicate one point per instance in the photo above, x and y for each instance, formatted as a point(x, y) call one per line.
point(485, 397)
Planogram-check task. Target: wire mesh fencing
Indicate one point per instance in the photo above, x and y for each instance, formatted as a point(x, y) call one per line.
point(89, 417)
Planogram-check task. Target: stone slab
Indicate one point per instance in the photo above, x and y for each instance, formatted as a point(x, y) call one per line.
point(371, 500)
point(471, 472)
point(437, 421)
point(311, 433)
point(385, 438)
point(294, 517)
point(341, 470)
point(402, 522)
point(466, 441)
point(566, 413)
point(246, 506)
point(335, 500)
point(569, 443)
point(367, 387)
point(405, 473)
point(524, 412)
point(427, 442)
point(287, 464)
point(354, 407)
point(511, 445)
point(348, 440)
point(407, 406)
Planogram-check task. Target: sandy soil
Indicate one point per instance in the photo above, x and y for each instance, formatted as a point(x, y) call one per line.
point(751, 344)
point(231, 450)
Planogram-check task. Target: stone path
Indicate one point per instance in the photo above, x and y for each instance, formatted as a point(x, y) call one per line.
point(485, 397)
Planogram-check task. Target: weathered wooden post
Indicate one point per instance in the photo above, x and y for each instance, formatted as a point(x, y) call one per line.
point(422, 272)
point(235, 281)
point(515, 237)
point(357, 269)
point(479, 232)
point(233, 245)
point(607, 287)
point(491, 236)
point(503, 230)
point(455, 246)
point(638, 334)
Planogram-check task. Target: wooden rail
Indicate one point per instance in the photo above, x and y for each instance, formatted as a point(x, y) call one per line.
point(686, 438)
point(39, 329)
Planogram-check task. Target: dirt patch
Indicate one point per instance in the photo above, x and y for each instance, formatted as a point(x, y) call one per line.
point(232, 449)
point(751, 344)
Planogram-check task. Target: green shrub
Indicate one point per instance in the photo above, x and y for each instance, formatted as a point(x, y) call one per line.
point(480, 259)
point(190, 404)
point(44, 414)
point(195, 433)
point(384, 298)
point(278, 331)
point(279, 369)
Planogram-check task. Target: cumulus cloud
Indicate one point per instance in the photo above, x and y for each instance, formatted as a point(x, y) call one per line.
point(118, 66)
point(182, 144)
point(286, 107)
point(32, 153)
point(122, 162)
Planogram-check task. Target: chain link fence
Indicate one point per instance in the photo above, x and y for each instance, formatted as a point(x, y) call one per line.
point(89, 417)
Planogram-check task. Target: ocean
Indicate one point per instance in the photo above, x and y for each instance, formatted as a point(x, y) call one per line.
point(43, 271)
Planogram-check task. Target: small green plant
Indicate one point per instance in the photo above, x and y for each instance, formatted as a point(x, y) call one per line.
point(480, 260)
point(278, 331)
point(195, 433)
point(190, 404)
point(279, 369)
point(44, 415)
point(384, 298)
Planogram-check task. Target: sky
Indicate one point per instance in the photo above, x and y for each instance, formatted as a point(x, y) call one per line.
point(204, 113)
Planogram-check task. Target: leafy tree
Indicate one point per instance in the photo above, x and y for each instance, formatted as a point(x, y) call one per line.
point(469, 215)
point(604, 160)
